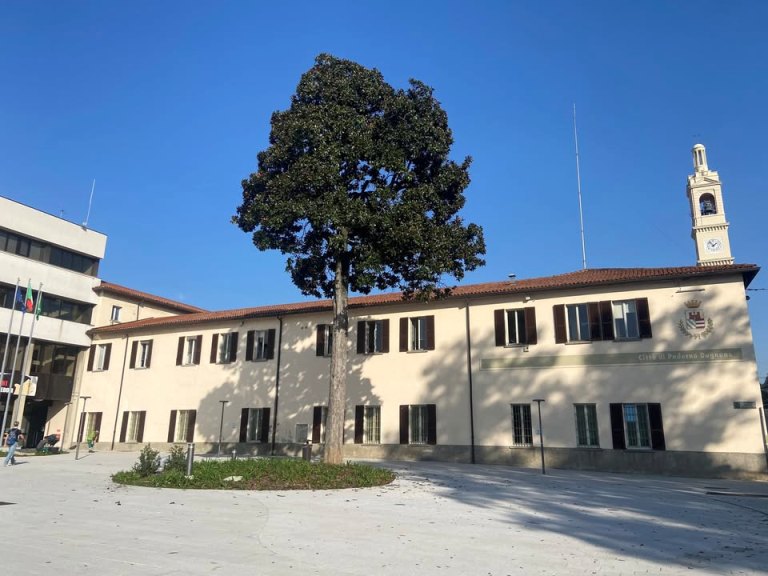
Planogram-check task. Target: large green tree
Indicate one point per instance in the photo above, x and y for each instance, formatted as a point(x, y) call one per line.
point(356, 187)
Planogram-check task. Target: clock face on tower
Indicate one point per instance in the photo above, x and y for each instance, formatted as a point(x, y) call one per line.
point(714, 245)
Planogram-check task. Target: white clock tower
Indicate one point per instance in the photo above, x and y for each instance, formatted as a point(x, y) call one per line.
point(709, 226)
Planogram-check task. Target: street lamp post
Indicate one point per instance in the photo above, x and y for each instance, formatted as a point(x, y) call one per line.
point(541, 434)
point(81, 427)
point(221, 424)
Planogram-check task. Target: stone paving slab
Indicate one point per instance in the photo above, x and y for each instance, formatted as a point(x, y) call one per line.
point(436, 518)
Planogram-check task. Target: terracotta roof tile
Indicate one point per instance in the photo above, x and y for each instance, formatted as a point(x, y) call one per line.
point(578, 279)
point(118, 290)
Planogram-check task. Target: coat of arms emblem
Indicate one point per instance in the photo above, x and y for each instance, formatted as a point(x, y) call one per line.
point(695, 323)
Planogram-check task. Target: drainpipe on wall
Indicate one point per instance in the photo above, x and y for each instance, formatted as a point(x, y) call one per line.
point(119, 393)
point(471, 400)
point(277, 382)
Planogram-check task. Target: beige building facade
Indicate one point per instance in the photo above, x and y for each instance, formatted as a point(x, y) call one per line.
point(649, 370)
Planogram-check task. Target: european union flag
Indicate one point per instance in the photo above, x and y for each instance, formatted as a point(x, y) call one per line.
point(20, 303)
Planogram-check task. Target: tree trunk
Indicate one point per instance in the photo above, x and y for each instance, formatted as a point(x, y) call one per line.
point(337, 396)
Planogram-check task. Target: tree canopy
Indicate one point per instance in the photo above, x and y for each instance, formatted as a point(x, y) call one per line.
point(357, 173)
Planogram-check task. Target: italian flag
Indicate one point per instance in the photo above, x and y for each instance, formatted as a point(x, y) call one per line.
point(29, 302)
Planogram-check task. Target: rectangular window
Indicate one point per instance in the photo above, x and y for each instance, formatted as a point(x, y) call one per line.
point(367, 424)
point(134, 426)
point(102, 357)
point(115, 317)
point(522, 430)
point(578, 322)
point(324, 344)
point(372, 425)
point(254, 425)
point(259, 344)
point(373, 336)
point(183, 427)
point(90, 425)
point(515, 327)
point(145, 352)
point(516, 332)
point(190, 350)
point(625, 319)
point(419, 333)
point(224, 348)
point(418, 424)
point(637, 426)
point(319, 416)
point(586, 425)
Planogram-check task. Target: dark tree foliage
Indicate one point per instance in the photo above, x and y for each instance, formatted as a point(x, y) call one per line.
point(357, 188)
point(358, 172)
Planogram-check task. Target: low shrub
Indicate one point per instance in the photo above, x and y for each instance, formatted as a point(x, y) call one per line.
point(262, 474)
point(148, 463)
point(177, 460)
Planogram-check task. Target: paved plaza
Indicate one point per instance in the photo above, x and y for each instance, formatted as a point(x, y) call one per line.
point(67, 518)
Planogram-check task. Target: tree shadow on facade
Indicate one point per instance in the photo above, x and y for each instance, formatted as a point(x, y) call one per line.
point(303, 385)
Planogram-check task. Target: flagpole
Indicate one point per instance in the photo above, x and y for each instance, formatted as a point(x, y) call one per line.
point(36, 307)
point(5, 353)
point(13, 366)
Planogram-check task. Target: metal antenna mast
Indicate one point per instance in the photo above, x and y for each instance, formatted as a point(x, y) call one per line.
point(90, 200)
point(578, 185)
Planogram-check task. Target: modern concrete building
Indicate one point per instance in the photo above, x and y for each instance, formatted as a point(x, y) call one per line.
point(41, 250)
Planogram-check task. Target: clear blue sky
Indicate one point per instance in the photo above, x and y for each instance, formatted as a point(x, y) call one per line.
point(166, 104)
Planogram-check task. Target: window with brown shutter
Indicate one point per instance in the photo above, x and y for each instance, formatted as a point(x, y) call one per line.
point(515, 327)
point(373, 337)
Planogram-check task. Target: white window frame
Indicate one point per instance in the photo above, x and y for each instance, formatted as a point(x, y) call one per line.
point(371, 424)
point(182, 423)
point(517, 332)
point(115, 316)
point(327, 340)
point(418, 424)
point(190, 344)
point(374, 336)
point(626, 322)
point(224, 353)
point(132, 430)
point(522, 425)
point(637, 426)
point(418, 326)
point(260, 344)
point(101, 356)
point(586, 426)
point(254, 425)
point(577, 322)
point(144, 347)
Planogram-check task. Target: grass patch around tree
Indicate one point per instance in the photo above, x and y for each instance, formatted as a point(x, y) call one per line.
point(256, 474)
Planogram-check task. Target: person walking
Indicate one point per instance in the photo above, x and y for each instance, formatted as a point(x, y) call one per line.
point(12, 440)
point(92, 438)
